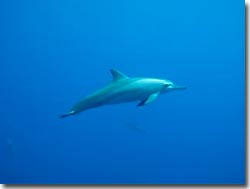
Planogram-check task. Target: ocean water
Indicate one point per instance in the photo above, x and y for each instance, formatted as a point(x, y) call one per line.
point(53, 53)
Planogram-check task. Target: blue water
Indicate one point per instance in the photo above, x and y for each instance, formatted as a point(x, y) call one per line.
point(53, 53)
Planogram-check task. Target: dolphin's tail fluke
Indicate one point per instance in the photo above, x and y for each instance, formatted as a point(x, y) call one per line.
point(68, 114)
point(64, 115)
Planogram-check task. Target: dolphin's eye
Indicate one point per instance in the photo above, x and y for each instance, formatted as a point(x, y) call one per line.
point(166, 84)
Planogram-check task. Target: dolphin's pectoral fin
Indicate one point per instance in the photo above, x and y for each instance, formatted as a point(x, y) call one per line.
point(117, 75)
point(148, 100)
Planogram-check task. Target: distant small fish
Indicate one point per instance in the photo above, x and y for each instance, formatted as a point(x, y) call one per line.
point(134, 127)
point(10, 144)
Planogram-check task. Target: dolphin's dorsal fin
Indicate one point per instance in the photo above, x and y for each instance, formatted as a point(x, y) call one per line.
point(117, 75)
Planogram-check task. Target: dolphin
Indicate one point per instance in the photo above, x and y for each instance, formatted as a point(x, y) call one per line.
point(125, 89)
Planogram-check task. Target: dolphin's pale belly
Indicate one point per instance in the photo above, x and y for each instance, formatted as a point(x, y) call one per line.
point(127, 97)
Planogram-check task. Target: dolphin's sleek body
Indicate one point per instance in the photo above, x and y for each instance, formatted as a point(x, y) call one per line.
point(125, 89)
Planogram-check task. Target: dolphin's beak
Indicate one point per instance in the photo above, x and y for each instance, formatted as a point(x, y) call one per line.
point(177, 87)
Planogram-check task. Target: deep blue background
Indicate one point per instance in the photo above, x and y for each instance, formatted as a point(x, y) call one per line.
point(53, 53)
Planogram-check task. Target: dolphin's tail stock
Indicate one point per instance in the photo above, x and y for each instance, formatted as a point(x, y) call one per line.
point(67, 114)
